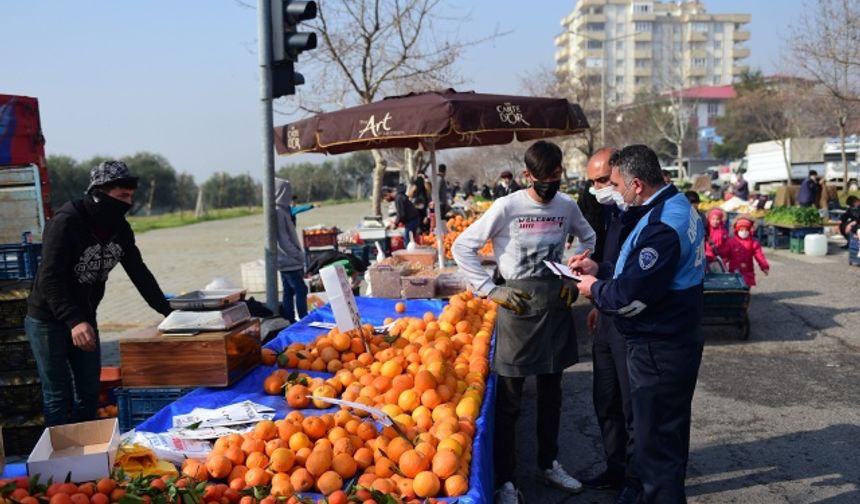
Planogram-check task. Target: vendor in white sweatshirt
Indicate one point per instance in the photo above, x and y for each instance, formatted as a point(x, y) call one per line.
point(534, 329)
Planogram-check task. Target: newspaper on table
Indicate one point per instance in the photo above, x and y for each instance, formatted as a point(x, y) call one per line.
point(204, 423)
point(169, 447)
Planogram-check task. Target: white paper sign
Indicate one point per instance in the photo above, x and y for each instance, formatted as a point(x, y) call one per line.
point(562, 270)
point(339, 293)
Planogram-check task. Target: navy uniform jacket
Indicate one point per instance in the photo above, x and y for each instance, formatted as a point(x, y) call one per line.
point(656, 290)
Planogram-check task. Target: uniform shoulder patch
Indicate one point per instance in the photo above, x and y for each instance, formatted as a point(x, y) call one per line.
point(648, 258)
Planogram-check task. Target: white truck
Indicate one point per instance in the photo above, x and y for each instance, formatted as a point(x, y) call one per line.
point(765, 162)
point(833, 169)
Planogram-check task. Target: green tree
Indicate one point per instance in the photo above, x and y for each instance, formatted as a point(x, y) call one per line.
point(222, 190)
point(68, 179)
point(155, 172)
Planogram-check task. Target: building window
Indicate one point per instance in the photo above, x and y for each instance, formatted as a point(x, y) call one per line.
point(595, 44)
point(641, 8)
point(640, 80)
point(619, 80)
point(718, 62)
point(619, 45)
point(619, 28)
point(713, 109)
point(619, 66)
point(718, 44)
point(596, 10)
point(594, 26)
point(717, 80)
point(642, 63)
point(643, 27)
point(700, 27)
point(718, 27)
point(699, 62)
point(593, 62)
point(643, 46)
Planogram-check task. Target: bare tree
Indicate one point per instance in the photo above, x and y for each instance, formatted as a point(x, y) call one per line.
point(375, 48)
point(826, 44)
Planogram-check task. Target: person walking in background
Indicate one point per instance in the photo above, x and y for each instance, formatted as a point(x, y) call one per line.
point(742, 188)
point(741, 249)
point(717, 234)
point(297, 208)
point(84, 241)
point(443, 193)
point(291, 257)
point(419, 195)
point(809, 194)
point(406, 213)
point(535, 332)
point(656, 295)
point(506, 185)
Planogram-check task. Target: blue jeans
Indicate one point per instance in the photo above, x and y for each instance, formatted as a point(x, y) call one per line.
point(296, 291)
point(70, 376)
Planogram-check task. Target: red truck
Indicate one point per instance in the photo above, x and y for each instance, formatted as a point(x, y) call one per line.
point(25, 191)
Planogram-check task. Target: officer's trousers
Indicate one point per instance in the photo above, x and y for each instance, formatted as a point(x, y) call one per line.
point(662, 380)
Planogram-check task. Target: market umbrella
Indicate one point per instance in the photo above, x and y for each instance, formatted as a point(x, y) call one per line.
point(431, 121)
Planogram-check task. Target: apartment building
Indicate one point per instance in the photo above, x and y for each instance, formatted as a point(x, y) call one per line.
point(641, 46)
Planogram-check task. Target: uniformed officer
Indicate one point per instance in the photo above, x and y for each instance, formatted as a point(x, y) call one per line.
point(656, 296)
point(611, 387)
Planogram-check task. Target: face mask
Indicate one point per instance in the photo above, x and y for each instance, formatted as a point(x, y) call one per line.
point(110, 211)
point(743, 234)
point(592, 191)
point(604, 195)
point(546, 190)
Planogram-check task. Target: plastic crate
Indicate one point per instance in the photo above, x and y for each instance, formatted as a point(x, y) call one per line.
point(778, 238)
point(20, 393)
point(138, 404)
point(796, 245)
point(19, 262)
point(362, 251)
point(20, 433)
point(12, 313)
point(325, 238)
point(15, 351)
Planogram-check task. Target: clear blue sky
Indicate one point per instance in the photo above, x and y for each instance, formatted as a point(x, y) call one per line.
point(181, 78)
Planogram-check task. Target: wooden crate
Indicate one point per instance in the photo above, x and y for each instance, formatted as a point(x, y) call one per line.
point(209, 359)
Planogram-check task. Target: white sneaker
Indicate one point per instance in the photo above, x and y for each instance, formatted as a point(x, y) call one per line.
point(507, 494)
point(558, 477)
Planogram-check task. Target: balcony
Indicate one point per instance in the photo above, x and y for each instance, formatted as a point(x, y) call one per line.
point(695, 53)
point(741, 52)
point(643, 37)
point(642, 71)
point(562, 54)
point(694, 36)
point(642, 54)
point(584, 36)
point(593, 18)
point(696, 71)
point(643, 16)
point(739, 69)
point(741, 35)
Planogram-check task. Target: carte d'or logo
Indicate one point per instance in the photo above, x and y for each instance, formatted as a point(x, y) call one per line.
point(293, 140)
point(511, 114)
point(373, 127)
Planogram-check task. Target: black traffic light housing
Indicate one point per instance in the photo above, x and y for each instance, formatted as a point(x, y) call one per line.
point(288, 42)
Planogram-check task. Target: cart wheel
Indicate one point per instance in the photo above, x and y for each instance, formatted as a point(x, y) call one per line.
point(745, 327)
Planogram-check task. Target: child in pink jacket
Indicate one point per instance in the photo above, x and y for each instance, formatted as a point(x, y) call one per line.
point(740, 250)
point(717, 234)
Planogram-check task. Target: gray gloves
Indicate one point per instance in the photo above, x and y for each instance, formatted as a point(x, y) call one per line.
point(510, 298)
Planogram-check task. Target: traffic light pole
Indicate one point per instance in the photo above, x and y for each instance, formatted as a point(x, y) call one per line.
point(264, 31)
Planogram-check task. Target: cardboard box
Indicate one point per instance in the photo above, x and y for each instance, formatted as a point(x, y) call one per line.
point(207, 359)
point(87, 450)
point(384, 280)
point(421, 286)
point(421, 255)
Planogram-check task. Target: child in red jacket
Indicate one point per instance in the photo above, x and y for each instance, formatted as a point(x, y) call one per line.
point(740, 250)
point(717, 234)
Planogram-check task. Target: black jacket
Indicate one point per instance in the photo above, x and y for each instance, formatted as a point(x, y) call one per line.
point(70, 282)
point(406, 211)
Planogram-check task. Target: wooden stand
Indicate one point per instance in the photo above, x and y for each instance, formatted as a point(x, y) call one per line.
point(208, 359)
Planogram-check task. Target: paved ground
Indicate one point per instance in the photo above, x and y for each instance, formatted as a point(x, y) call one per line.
point(776, 419)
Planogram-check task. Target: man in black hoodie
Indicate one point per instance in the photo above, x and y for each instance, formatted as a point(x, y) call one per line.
point(80, 246)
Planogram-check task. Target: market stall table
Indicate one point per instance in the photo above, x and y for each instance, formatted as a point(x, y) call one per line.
point(373, 311)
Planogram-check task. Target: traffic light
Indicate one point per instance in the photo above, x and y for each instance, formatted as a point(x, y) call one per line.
point(288, 42)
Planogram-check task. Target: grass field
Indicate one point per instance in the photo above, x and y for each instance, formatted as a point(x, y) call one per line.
point(142, 224)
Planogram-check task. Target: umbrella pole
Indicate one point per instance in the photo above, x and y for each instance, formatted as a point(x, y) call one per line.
point(437, 207)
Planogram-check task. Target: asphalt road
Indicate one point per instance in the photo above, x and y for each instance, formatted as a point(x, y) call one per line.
point(776, 419)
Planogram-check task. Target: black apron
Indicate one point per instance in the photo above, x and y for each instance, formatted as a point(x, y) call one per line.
point(540, 341)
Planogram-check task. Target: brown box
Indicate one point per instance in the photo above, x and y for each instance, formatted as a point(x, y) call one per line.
point(420, 286)
point(384, 280)
point(208, 359)
point(421, 255)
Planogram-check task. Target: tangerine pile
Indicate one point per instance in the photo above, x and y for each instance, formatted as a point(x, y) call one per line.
point(429, 376)
point(456, 225)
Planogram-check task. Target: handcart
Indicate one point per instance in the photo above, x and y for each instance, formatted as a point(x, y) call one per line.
point(727, 300)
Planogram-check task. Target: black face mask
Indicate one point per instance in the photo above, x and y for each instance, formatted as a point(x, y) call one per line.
point(546, 190)
point(107, 211)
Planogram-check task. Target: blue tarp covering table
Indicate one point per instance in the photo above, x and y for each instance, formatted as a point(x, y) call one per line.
point(373, 311)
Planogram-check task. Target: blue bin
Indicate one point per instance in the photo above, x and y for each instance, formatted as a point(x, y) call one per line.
point(137, 404)
point(19, 261)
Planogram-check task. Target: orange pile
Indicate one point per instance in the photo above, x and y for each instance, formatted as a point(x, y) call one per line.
point(429, 376)
point(456, 225)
